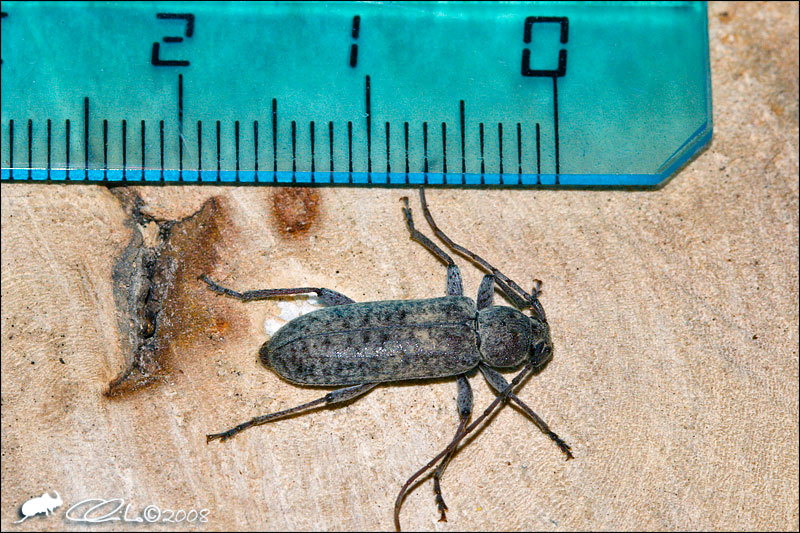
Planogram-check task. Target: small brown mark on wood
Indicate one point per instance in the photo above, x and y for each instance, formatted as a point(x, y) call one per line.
point(294, 210)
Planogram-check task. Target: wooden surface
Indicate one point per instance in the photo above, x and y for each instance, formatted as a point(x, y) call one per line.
point(674, 316)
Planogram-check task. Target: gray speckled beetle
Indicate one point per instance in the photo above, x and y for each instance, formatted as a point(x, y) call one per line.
point(360, 345)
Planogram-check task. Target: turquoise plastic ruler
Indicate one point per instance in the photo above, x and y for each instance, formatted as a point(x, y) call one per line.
point(495, 93)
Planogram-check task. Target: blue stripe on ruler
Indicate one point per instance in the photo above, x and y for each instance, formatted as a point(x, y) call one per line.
point(324, 177)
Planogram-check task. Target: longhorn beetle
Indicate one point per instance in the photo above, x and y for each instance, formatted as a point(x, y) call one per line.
point(357, 346)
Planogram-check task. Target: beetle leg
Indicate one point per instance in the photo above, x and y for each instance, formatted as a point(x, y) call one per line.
point(330, 297)
point(339, 395)
point(422, 239)
point(515, 293)
point(502, 397)
point(454, 285)
point(486, 292)
point(499, 384)
point(464, 404)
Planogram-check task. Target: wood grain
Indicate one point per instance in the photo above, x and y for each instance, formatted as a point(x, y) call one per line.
point(674, 316)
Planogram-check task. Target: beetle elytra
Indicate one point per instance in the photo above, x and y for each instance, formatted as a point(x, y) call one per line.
point(357, 346)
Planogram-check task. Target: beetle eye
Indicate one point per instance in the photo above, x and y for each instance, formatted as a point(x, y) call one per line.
point(544, 350)
point(541, 352)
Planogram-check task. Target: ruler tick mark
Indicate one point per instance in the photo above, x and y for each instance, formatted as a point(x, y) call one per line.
point(500, 144)
point(30, 146)
point(519, 152)
point(444, 147)
point(274, 139)
point(125, 148)
point(405, 133)
point(218, 151)
point(105, 146)
point(180, 126)
point(369, 132)
point(161, 142)
point(199, 147)
point(330, 149)
point(255, 147)
point(86, 137)
point(483, 161)
point(388, 154)
point(538, 157)
point(463, 156)
point(313, 163)
point(236, 141)
point(11, 146)
point(555, 115)
point(49, 135)
point(350, 151)
point(66, 141)
point(425, 149)
point(294, 151)
point(141, 127)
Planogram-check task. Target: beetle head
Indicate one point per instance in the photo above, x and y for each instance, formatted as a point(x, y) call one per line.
point(541, 345)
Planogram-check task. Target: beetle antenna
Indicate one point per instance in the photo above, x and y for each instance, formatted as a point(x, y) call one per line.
point(503, 397)
point(514, 291)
